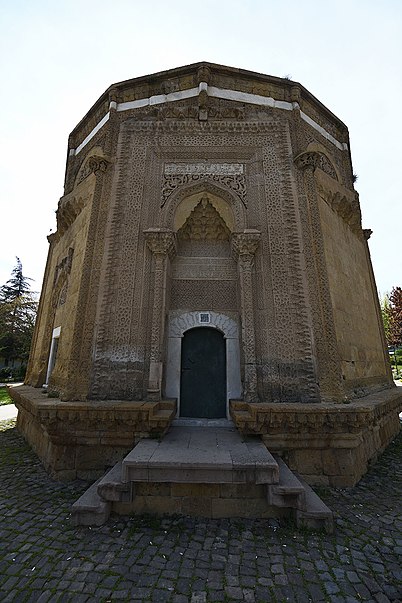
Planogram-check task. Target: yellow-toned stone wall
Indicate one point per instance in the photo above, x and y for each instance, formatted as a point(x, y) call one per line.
point(354, 306)
point(65, 313)
point(56, 314)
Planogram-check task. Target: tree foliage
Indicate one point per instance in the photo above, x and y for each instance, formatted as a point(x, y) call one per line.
point(391, 309)
point(395, 317)
point(18, 307)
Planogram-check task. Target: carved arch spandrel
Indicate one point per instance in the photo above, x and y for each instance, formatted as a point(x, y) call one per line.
point(94, 161)
point(204, 185)
point(326, 162)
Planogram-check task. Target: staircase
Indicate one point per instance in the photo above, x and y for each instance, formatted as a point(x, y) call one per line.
point(202, 471)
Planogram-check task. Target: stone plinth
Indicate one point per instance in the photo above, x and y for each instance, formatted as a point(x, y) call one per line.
point(328, 444)
point(81, 439)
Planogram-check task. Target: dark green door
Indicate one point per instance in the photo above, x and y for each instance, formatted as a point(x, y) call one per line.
point(203, 374)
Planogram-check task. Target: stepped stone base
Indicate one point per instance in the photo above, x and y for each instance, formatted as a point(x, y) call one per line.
point(204, 472)
point(81, 439)
point(200, 500)
point(327, 444)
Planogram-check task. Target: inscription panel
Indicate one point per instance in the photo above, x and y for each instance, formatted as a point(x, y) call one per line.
point(205, 168)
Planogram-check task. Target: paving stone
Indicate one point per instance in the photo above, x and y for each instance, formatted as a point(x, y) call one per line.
point(258, 560)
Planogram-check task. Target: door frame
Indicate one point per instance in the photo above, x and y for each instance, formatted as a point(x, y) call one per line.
point(178, 324)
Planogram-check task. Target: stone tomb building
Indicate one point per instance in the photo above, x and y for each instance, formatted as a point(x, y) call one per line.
point(209, 262)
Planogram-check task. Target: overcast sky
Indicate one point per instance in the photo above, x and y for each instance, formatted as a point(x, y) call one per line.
point(57, 57)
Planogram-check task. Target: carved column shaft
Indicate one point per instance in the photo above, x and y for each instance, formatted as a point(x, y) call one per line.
point(244, 246)
point(325, 335)
point(163, 245)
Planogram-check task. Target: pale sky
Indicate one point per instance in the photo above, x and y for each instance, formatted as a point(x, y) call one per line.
point(57, 57)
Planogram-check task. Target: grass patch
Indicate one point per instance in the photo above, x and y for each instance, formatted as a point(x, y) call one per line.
point(4, 397)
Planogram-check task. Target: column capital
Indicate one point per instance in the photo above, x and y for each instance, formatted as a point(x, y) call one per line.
point(307, 160)
point(161, 241)
point(245, 243)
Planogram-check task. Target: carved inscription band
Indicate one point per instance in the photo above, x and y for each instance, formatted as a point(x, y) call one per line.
point(204, 168)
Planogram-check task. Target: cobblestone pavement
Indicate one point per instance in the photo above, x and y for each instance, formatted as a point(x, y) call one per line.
point(43, 558)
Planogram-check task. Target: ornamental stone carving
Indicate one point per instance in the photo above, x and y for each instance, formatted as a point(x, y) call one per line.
point(60, 279)
point(201, 155)
point(245, 244)
point(235, 182)
point(92, 165)
point(68, 210)
point(308, 160)
point(204, 224)
point(161, 242)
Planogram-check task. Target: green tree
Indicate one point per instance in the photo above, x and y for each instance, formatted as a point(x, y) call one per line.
point(395, 317)
point(18, 307)
point(385, 313)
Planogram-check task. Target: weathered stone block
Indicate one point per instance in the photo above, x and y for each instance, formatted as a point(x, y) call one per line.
point(195, 490)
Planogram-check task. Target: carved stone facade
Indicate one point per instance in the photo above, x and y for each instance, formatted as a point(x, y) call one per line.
point(206, 196)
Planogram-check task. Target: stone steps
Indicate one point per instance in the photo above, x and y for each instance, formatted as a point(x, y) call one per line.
point(316, 515)
point(200, 455)
point(111, 487)
point(90, 509)
point(288, 492)
point(202, 472)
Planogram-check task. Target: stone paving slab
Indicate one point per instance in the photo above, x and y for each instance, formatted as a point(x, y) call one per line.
point(44, 558)
point(201, 454)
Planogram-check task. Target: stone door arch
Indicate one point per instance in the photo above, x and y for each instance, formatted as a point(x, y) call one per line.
point(203, 374)
point(178, 325)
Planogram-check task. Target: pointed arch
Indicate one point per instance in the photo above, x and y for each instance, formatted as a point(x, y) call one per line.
point(204, 186)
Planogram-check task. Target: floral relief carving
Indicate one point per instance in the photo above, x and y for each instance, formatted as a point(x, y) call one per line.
point(161, 242)
point(68, 210)
point(235, 182)
point(92, 165)
point(60, 281)
point(313, 160)
point(245, 244)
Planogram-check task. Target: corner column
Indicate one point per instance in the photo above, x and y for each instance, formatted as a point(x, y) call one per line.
point(162, 244)
point(325, 335)
point(244, 246)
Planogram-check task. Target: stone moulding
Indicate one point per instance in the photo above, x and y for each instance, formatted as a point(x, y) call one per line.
point(79, 439)
point(327, 444)
point(261, 418)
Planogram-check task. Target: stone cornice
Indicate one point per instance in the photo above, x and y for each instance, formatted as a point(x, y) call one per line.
point(207, 80)
point(263, 418)
point(60, 416)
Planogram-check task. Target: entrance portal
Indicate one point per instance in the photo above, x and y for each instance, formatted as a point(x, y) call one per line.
point(203, 374)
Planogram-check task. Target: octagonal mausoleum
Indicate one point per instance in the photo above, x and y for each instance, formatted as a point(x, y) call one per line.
point(209, 263)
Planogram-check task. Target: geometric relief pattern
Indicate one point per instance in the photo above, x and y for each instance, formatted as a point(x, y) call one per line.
point(222, 295)
point(204, 294)
point(178, 325)
point(204, 223)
